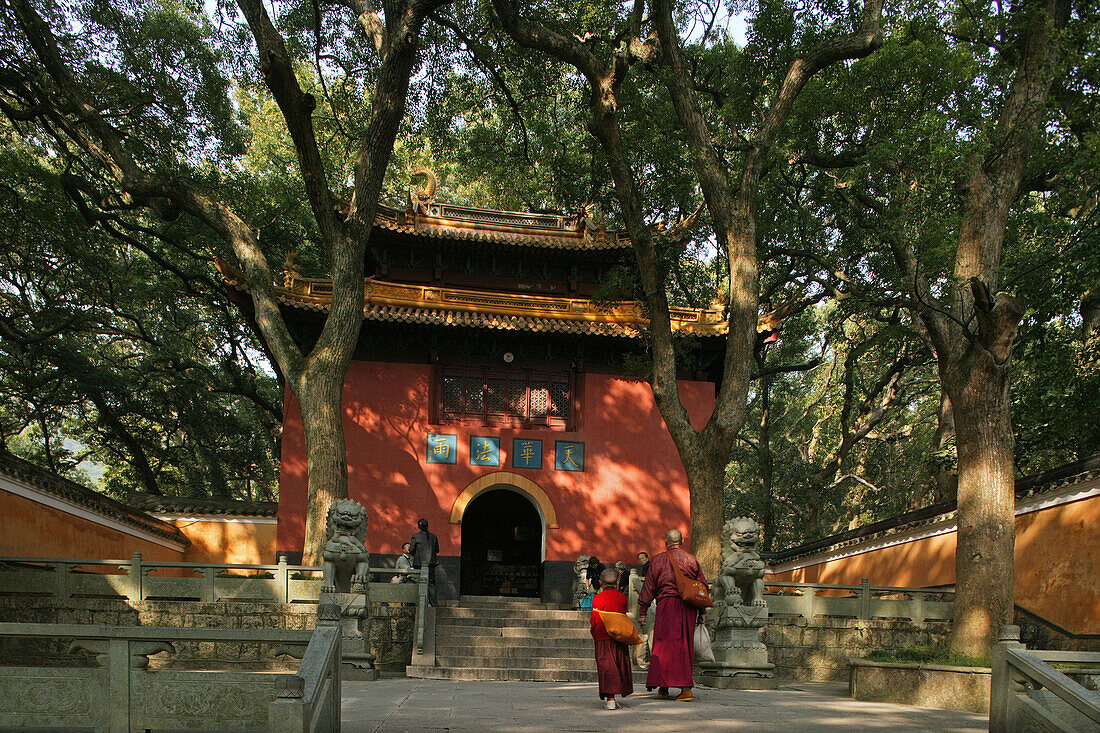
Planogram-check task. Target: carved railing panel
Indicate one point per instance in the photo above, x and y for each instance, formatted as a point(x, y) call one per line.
point(53, 698)
point(864, 601)
point(121, 693)
point(138, 580)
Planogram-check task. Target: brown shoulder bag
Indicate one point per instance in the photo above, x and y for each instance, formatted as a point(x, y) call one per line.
point(692, 592)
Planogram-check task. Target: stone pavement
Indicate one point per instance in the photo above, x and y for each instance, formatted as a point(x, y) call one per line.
point(400, 705)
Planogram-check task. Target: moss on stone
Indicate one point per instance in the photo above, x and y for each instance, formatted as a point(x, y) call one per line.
point(927, 655)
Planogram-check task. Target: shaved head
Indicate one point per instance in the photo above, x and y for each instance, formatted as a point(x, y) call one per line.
point(609, 578)
point(673, 537)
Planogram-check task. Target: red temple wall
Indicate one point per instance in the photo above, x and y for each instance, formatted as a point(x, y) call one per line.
point(633, 488)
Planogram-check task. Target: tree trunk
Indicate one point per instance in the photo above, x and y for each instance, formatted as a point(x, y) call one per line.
point(46, 443)
point(984, 557)
point(706, 470)
point(320, 391)
point(947, 480)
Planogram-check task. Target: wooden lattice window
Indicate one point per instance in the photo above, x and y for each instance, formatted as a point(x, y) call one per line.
point(522, 397)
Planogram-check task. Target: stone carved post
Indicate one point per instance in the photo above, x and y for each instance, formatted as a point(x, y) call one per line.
point(136, 573)
point(579, 585)
point(739, 613)
point(346, 585)
point(1001, 686)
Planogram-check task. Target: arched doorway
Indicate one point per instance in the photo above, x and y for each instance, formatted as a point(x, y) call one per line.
point(501, 545)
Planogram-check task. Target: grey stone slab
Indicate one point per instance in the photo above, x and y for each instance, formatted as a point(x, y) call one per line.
point(487, 707)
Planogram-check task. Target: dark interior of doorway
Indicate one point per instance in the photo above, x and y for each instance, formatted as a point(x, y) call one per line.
point(501, 546)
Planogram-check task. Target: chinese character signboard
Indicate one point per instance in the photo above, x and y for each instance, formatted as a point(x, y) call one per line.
point(526, 453)
point(442, 448)
point(568, 456)
point(484, 451)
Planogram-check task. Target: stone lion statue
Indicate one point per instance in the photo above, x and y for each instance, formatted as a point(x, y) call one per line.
point(579, 587)
point(742, 574)
point(346, 560)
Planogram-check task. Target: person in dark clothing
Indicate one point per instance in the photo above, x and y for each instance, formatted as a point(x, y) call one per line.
point(624, 578)
point(592, 574)
point(424, 548)
point(674, 623)
point(643, 563)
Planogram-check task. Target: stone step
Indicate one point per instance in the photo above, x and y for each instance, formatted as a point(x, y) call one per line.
point(508, 655)
point(520, 662)
point(446, 634)
point(507, 614)
point(499, 602)
point(502, 623)
point(490, 643)
point(497, 674)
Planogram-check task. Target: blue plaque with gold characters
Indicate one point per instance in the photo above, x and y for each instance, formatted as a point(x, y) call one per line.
point(526, 453)
point(568, 456)
point(484, 451)
point(442, 448)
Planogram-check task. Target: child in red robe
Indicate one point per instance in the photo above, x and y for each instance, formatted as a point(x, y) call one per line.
point(612, 657)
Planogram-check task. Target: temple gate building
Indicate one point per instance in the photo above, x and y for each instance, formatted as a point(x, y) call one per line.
point(488, 394)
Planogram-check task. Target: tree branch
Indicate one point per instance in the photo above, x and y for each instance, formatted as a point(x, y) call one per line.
point(297, 108)
point(478, 55)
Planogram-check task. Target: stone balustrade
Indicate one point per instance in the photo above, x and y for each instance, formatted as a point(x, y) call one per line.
point(141, 580)
point(120, 693)
point(1029, 694)
point(864, 602)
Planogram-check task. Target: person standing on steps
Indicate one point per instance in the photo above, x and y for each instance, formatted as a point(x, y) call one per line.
point(673, 635)
point(424, 549)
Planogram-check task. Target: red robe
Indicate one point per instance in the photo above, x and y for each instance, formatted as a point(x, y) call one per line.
point(673, 641)
point(612, 657)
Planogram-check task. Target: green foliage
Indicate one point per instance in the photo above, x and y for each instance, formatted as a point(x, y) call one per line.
point(109, 361)
point(145, 323)
point(822, 450)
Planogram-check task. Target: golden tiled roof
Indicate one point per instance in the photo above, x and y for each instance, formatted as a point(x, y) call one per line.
point(386, 301)
point(449, 221)
point(424, 216)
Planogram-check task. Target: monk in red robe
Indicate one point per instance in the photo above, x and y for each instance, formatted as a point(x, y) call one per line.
point(673, 639)
point(612, 657)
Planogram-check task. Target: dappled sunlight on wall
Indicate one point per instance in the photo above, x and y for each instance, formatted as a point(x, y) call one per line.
point(292, 476)
point(633, 488)
point(234, 541)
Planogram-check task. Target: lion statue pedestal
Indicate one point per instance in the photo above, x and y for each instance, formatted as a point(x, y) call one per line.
point(346, 585)
point(739, 613)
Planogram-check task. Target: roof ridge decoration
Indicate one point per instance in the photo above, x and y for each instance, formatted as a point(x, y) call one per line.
point(420, 198)
point(424, 216)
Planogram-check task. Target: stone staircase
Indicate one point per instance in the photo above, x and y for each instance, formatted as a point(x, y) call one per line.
point(489, 638)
